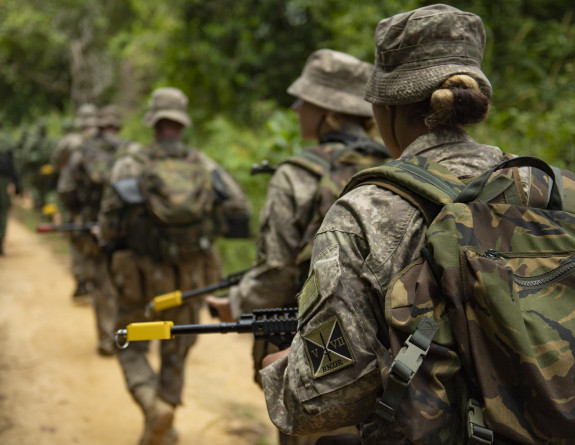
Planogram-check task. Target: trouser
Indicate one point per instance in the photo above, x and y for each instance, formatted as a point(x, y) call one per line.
point(4, 206)
point(103, 300)
point(137, 281)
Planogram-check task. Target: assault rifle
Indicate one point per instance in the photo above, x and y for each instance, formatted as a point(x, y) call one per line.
point(263, 167)
point(68, 227)
point(176, 298)
point(278, 326)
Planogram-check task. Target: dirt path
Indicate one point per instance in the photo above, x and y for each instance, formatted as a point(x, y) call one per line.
point(55, 389)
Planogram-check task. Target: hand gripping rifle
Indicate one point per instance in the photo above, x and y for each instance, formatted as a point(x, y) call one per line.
point(68, 227)
point(176, 298)
point(278, 326)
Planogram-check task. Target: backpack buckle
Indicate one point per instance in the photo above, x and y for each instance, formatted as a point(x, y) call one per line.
point(477, 433)
point(404, 367)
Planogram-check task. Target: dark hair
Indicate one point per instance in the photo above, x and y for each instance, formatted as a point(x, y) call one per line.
point(458, 102)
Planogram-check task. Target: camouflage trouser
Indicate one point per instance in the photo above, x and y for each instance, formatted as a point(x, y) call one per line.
point(81, 247)
point(104, 300)
point(345, 435)
point(4, 206)
point(137, 280)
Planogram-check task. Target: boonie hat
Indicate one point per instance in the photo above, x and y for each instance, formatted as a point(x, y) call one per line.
point(86, 116)
point(109, 116)
point(167, 103)
point(418, 50)
point(335, 81)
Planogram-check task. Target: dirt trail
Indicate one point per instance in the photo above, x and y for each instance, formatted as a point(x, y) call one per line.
point(55, 389)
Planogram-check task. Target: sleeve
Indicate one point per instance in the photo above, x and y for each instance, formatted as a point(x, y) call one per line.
point(330, 378)
point(273, 282)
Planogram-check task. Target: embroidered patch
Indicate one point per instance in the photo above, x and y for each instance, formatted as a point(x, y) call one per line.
point(327, 348)
point(308, 295)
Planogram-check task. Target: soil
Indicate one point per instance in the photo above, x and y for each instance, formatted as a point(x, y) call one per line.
point(55, 389)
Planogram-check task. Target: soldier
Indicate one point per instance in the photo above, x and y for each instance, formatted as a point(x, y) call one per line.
point(8, 175)
point(37, 172)
point(331, 111)
point(165, 207)
point(426, 85)
point(86, 127)
point(81, 185)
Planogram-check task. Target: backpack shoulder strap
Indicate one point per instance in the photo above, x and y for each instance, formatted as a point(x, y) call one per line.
point(422, 182)
point(310, 161)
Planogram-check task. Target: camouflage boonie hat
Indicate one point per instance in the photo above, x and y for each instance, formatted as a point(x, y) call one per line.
point(335, 81)
point(86, 116)
point(167, 103)
point(418, 50)
point(109, 116)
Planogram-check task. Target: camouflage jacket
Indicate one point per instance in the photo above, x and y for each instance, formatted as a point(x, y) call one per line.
point(367, 237)
point(67, 145)
point(113, 211)
point(284, 222)
point(81, 181)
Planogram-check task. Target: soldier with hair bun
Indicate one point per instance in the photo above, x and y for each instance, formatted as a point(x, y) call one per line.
point(426, 86)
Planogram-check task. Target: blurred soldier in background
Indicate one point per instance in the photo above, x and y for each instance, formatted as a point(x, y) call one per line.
point(85, 126)
point(8, 175)
point(80, 186)
point(331, 111)
point(166, 206)
point(36, 168)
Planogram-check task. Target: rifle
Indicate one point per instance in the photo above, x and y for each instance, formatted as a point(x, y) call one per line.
point(176, 298)
point(278, 326)
point(263, 167)
point(68, 227)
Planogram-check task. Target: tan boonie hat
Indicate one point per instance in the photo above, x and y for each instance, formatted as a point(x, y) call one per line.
point(335, 81)
point(167, 103)
point(418, 50)
point(86, 116)
point(109, 116)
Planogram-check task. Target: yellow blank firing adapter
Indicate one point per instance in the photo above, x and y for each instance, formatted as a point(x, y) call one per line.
point(167, 301)
point(49, 209)
point(153, 330)
point(47, 169)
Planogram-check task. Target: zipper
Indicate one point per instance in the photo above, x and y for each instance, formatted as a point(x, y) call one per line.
point(546, 279)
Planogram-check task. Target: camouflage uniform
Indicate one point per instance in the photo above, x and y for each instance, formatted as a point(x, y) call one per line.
point(140, 276)
point(80, 186)
point(331, 376)
point(86, 128)
point(335, 82)
point(8, 175)
point(36, 169)
point(368, 236)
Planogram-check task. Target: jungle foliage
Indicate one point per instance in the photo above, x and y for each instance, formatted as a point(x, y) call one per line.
point(235, 59)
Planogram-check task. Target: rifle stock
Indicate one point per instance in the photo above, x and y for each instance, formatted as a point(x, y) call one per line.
point(277, 325)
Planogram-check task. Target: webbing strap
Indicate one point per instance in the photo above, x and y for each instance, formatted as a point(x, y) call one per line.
point(429, 177)
point(477, 433)
point(404, 368)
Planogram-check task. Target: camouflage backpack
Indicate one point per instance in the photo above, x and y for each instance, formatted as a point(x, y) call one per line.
point(173, 198)
point(482, 326)
point(334, 167)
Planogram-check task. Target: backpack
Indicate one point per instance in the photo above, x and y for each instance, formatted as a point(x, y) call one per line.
point(171, 206)
point(333, 167)
point(482, 325)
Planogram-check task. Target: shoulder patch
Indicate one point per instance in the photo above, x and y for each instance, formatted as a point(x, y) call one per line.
point(327, 348)
point(308, 295)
